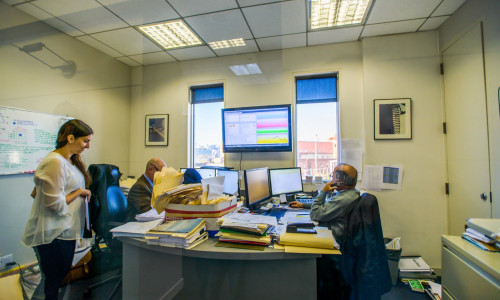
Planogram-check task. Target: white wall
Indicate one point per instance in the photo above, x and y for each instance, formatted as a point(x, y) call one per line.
point(99, 94)
point(381, 67)
point(407, 66)
point(472, 12)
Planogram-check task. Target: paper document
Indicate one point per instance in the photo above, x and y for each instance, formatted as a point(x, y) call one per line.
point(134, 229)
point(352, 153)
point(150, 215)
point(382, 177)
point(87, 217)
point(214, 185)
point(251, 218)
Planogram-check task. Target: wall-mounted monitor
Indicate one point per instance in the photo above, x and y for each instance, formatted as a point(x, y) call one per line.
point(285, 181)
point(256, 187)
point(231, 181)
point(257, 129)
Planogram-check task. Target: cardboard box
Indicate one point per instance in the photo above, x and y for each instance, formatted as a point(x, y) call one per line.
point(200, 211)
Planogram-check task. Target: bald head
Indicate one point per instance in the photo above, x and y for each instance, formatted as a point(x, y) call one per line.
point(347, 174)
point(154, 165)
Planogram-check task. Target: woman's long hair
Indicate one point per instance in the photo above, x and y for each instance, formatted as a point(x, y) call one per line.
point(77, 128)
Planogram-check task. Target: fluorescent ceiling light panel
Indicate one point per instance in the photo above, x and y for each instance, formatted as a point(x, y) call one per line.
point(330, 13)
point(249, 69)
point(227, 43)
point(173, 34)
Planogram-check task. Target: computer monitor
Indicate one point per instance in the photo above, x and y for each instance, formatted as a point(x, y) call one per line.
point(256, 187)
point(231, 181)
point(204, 173)
point(285, 181)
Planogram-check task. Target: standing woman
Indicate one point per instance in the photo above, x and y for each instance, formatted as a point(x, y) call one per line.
point(57, 217)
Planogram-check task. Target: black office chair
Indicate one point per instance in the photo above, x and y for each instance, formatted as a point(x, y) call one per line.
point(108, 209)
point(364, 259)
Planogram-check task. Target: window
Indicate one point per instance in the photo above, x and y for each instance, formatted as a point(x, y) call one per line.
point(317, 124)
point(206, 104)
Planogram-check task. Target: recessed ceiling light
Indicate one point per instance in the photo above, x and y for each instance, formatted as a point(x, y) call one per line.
point(227, 43)
point(330, 13)
point(248, 69)
point(173, 34)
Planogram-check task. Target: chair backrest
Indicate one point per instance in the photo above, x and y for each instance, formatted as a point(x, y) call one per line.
point(107, 203)
point(365, 263)
point(117, 204)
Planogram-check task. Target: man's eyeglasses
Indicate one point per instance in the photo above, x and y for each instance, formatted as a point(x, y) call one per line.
point(156, 168)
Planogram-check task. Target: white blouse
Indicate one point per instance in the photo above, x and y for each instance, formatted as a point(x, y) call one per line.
point(50, 216)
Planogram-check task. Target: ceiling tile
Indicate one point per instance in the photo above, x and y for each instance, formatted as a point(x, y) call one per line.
point(139, 12)
point(277, 19)
point(433, 23)
point(64, 27)
point(244, 3)
point(127, 41)
point(447, 7)
point(49, 19)
point(153, 58)
point(35, 11)
point(12, 2)
point(337, 35)
point(220, 26)
point(396, 10)
point(192, 53)
point(99, 46)
point(64, 7)
point(282, 42)
point(128, 61)
point(94, 20)
point(392, 28)
point(196, 7)
point(250, 46)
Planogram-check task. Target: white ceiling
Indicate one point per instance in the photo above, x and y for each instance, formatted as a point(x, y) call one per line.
point(109, 25)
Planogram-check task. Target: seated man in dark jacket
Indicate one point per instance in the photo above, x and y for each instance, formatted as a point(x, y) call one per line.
point(139, 196)
point(336, 205)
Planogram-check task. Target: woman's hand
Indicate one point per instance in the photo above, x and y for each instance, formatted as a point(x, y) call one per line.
point(85, 193)
point(77, 193)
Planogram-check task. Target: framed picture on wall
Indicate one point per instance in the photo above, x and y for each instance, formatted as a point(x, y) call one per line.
point(392, 119)
point(156, 130)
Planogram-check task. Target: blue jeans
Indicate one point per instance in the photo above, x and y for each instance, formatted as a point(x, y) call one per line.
point(55, 261)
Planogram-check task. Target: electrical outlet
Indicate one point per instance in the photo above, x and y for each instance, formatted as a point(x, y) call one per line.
point(4, 260)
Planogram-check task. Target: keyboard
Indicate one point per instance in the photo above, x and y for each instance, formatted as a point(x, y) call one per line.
point(305, 200)
point(276, 212)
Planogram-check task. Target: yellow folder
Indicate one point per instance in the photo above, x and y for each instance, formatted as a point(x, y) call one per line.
point(322, 239)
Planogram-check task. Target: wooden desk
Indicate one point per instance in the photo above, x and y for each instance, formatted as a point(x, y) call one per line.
point(209, 272)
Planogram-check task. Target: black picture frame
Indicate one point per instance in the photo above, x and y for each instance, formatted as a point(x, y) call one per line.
point(392, 119)
point(156, 130)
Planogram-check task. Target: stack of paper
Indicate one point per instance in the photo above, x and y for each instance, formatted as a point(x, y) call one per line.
point(150, 215)
point(180, 194)
point(245, 229)
point(135, 229)
point(178, 233)
point(414, 267)
point(483, 233)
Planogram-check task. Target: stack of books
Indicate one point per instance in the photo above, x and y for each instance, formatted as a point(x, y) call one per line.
point(184, 234)
point(414, 267)
point(483, 233)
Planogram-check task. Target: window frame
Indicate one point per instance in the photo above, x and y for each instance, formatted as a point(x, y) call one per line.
point(297, 102)
point(191, 112)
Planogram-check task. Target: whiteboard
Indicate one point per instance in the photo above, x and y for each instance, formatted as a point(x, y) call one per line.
point(26, 137)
